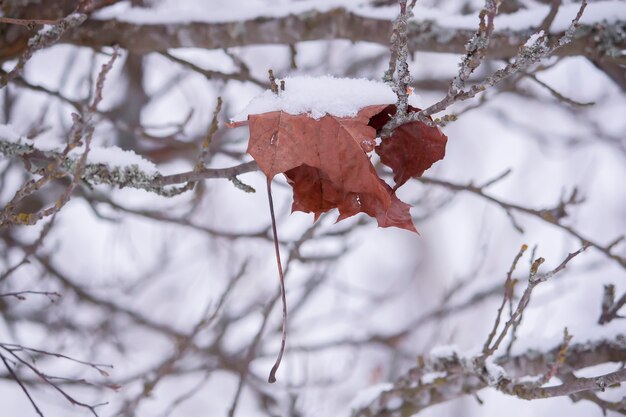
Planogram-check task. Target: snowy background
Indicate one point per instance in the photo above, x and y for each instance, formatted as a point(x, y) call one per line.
point(137, 271)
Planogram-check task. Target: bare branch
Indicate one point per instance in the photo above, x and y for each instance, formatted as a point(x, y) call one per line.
point(424, 36)
point(22, 386)
point(610, 307)
point(528, 55)
point(547, 215)
point(416, 390)
point(42, 40)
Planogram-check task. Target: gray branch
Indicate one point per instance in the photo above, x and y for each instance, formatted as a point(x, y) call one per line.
point(121, 176)
point(425, 35)
point(457, 376)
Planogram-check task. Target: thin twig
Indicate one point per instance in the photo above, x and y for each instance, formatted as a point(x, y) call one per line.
point(534, 279)
point(272, 377)
point(545, 215)
point(42, 40)
point(508, 295)
point(28, 23)
point(558, 95)
point(528, 55)
point(19, 382)
point(20, 295)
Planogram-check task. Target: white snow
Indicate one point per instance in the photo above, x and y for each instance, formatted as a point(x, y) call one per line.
point(318, 96)
point(495, 372)
point(9, 134)
point(533, 39)
point(445, 352)
point(394, 403)
point(45, 29)
point(431, 377)
point(365, 397)
point(528, 379)
point(113, 156)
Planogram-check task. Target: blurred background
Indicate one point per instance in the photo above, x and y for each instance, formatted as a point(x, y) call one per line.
point(180, 295)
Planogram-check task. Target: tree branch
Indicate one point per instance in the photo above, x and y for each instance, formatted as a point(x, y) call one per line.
point(552, 215)
point(339, 23)
point(443, 377)
point(121, 176)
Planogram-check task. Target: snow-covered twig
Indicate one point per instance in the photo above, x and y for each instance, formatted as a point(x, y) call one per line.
point(424, 35)
point(529, 54)
point(446, 374)
point(398, 60)
point(83, 127)
point(476, 47)
point(133, 174)
point(464, 374)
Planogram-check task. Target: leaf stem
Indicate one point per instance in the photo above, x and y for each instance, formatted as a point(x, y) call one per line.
point(272, 378)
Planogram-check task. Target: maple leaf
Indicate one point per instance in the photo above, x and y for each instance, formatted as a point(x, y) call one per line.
point(327, 164)
point(326, 161)
point(411, 149)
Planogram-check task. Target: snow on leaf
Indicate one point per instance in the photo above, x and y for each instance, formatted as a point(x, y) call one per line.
point(319, 96)
point(326, 159)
